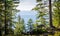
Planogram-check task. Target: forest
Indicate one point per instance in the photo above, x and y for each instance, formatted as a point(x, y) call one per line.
point(46, 24)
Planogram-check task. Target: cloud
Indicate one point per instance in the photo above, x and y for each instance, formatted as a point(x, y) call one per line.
point(26, 5)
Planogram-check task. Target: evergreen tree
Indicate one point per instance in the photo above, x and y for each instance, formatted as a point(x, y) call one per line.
point(1, 16)
point(19, 26)
point(8, 16)
point(30, 25)
point(56, 13)
point(6, 13)
point(30, 22)
point(40, 8)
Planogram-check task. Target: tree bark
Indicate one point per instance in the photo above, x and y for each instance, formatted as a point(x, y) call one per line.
point(50, 13)
point(0, 30)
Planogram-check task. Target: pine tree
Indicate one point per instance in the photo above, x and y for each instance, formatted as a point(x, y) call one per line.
point(8, 16)
point(30, 22)
point(30, 25)
point(1, 16)
point(56, 14)
point(40, 8)
point(6, 9)
point(19, 26)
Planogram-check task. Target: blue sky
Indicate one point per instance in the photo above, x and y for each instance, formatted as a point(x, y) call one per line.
point(25, 7)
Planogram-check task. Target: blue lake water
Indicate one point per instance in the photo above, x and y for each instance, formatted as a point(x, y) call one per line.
point(26, 15)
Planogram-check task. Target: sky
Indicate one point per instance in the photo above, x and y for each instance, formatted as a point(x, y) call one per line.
point(25, 7)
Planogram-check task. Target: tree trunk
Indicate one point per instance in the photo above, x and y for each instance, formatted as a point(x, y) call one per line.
point(0, 30)
point(50, 13)
point(6, 22)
